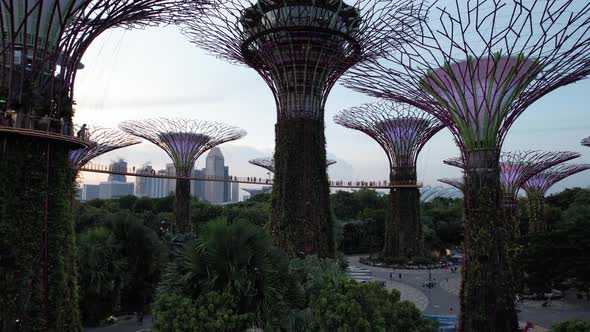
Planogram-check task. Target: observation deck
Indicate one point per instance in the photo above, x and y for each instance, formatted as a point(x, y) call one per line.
point(139, 172)
point(42, 127)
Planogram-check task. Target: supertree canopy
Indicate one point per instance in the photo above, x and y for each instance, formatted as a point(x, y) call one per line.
point(537, 186)
point(269, 163)
point(184, 140)
point(100, 141)
point(402, 131)
point(477, 65)
point(586, 141)
point(301, 48)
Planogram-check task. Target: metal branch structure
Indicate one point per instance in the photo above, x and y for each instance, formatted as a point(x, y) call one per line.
point(402, 131)
point(301, 48)
point(101, 141)
point(269, 163)
point(586, 142)
point(537, 186)
point(184, 140)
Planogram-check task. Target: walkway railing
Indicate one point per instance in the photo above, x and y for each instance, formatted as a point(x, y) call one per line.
point(48, 127)
point(142, 172)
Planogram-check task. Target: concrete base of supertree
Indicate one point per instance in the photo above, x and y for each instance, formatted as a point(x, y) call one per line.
point(487, 296)
point(182, 206)
point(301, 221)
point(38, 282)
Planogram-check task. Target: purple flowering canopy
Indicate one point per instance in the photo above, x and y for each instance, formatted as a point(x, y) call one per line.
point(184, 140)
point(541, 182)
point(400, 129)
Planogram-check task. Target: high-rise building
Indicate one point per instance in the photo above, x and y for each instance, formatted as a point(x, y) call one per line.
point(215, 168)
point(160, 187)
point(118, 166)
point(115, 189)
point(235, 192)
point(144, 185)
point(226, 185)
point(198, 187)
point(170, 171)
point(90, 192)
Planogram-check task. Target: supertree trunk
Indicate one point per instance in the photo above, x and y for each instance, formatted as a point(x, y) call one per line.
point(403, 229)
point(182, 210)
point(536, 207)
point(487, 299)
point(36, 233)
point(301, 221)
point(391, 237)
point(511, 224)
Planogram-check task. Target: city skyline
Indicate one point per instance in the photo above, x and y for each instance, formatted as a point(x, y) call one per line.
point(115, 87)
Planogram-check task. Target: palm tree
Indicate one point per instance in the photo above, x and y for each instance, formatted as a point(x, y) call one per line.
point(241, 258)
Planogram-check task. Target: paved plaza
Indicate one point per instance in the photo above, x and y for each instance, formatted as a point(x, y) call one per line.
point(440, 299)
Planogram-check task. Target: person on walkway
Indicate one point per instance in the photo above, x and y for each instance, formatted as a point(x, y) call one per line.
point(82, 132)
point(400, 276)
point(3, 119)
point(391, 276)
point(140, 318)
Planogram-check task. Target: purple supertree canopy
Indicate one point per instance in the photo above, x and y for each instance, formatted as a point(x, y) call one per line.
point(269, 163)
point(400, 129)
point(301, 48)
point(184, 140)
point(586, 141)
point(455, 182)
point(101, 141)
point(519, 166)
point(543, 181)
point(478, 65)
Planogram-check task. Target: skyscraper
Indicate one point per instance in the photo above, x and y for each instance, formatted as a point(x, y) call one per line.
point(144, 185)
point(215, 168)
point(235, 192)
point(118, 166)
point(198, 187)
point(171, 171)
point(226, 185)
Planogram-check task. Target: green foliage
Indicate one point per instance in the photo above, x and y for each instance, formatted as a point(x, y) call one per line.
point(102, 273)
point(237, 258)
point(571, 326)
point(212, 311)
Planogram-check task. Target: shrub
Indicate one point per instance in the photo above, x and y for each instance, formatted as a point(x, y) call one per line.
point(575, 325)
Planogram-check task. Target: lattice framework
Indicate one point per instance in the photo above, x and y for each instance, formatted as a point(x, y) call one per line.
point(301, 48)
point(517, 167)
point(586, 142)
point(184, 140)
point(400, 129)
point(101, 141)
point(454, 182)
point(477, 65)
point(543, 181)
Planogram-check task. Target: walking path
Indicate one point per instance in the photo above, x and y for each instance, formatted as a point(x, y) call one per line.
point(440, 299)
point(129, 325)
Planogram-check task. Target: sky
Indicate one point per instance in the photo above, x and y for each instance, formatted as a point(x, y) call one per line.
point(156, 72)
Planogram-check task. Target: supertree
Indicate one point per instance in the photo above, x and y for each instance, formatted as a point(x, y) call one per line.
point(100, 141)
point(41, 46)
point(537, 186)
point(269, 163)
point(477, 65)
point(301, 48)
point(586, 141)
point(402, 131)
point(184, 140)
point(516, 167)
